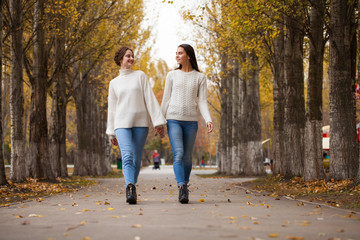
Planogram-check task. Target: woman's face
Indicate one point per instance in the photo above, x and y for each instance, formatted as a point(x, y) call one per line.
point(181, 56)
point(128, 60)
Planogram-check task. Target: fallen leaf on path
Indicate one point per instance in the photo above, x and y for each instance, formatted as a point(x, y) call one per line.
point(35, 215)
point(245, 228)
point(294, 238)
point(86, 238)
point(25, 223)
point(136, 226)
point(202, 200)
point(273, 235)
point(76, 226)
point(110, 208)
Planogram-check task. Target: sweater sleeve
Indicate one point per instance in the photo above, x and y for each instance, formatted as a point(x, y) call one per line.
point(203, 105)
point(167, 94)
point(152, 104)
point(111, 112)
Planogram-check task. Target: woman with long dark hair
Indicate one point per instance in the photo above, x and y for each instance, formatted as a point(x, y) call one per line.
point(130, 101)
point(185, 92)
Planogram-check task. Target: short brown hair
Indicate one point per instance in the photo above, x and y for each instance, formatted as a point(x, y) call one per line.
point(119, 54)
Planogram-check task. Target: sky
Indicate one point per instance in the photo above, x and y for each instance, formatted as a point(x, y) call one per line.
point(169, 29)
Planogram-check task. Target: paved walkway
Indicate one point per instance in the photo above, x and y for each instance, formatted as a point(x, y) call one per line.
point(218, 209)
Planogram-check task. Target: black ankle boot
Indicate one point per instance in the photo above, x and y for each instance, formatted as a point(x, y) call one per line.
point(131, 196)
point(183, 194)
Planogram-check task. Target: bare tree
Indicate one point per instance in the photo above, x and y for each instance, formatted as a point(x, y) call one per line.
point(17, 172)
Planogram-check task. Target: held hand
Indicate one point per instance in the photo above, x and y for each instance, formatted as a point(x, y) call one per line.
point(159, 130)
point(114, 141)
point(210, 127)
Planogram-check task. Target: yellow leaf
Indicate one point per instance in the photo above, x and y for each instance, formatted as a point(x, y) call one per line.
point(273, 235)
point(63, 209)
point(110, 208)
point(83, 222)
point(232, 218)
point(202, 200)
point(294, 238)
point(86, 238)
point(136, 226)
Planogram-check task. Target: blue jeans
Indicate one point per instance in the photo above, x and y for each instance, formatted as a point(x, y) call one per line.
point(182, 135)
point(131, 142)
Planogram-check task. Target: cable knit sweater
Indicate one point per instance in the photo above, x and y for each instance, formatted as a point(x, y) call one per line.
point(130, 101)
point(182, 90)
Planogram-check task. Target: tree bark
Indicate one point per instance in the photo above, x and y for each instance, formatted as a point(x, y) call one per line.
point(344, 158)
point(313, 162)
point(39, 163)
point(3, 180)
point(17, 172)
point(294, 122)
point(57, 129)
point(91, 126)
point(357, 180)
point(235, 102)
point(252, 163)
point(279, 102)
point(223, 160)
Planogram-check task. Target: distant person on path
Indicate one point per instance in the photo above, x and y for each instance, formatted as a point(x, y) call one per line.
point(130, 101)
point(156, 159)
point(184, 87)
point(202, 161)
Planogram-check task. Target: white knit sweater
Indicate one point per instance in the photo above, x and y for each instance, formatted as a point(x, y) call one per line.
point(182, 90)
point(130, 101)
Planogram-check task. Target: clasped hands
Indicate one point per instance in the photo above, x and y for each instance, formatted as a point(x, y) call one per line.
point(160, 130)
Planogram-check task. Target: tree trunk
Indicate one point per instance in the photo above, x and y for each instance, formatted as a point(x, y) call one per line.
point(250, 130)
point(39, 162)
point(91, 126)
point(235, 158)
point(294, 122)
point(228, 116)
point(313, 163)
point(57, 129)
point(3, 180)
point(357, 180)
point(223, 160)
point(17, 172)
point(344, 158)
point(279, 102)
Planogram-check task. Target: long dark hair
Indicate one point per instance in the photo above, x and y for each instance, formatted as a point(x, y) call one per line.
point(191, 53)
